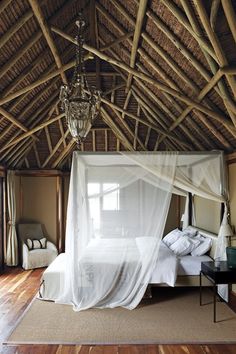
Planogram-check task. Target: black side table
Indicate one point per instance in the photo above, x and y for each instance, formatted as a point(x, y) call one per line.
point(220, 274)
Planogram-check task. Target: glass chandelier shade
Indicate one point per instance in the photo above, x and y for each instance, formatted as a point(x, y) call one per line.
point(80, 102)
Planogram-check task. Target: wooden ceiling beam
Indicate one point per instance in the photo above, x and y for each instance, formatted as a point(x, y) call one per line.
point(230, 16)
point(32, 131)
point(61, 127)
point(93, 39)
point(9, 64)
point(214, 12)
point(215, 42)
point(65, 152)
point(177, 106)
point(12, 119)
point(116, 41)
point(18, 24)
point(18, 152)
point(17, 163)
point(4, 4)
point(56, 147)
point(184, 21)
point(131, 115)
point(218, 116)
point(16, 135)
point(48, 137)
point(10, 150)
point(224, 93)
point(150, 114)
point(137, 33)
point(181, 47)
point(160, 70)
point(158, 49)
point(116, 130)
point(31, 145)
point(42, 80)
point(126, 126)
point(165, 57)
point(48, 35)
point(37, 156)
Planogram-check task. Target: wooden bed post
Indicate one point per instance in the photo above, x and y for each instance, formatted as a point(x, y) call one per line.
point(190, 208)
point(60, 219)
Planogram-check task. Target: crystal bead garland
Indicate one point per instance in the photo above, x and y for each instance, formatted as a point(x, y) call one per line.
point(79, 102)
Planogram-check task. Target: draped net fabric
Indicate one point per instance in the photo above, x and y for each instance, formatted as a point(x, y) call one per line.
point(117, 209)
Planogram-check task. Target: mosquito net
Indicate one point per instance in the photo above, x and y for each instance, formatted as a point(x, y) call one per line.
point(117, 209)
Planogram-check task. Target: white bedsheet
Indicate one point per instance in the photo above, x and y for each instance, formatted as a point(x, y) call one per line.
point(166, 267)
point(191, 265)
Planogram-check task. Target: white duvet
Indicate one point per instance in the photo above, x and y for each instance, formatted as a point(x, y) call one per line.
point(113, 263)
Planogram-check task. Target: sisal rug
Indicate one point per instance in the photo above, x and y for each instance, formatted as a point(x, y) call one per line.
point(171, 316)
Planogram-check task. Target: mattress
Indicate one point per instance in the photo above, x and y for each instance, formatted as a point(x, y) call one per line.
point(191, 265)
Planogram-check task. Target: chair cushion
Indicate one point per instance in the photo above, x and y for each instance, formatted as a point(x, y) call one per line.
point(38, 258)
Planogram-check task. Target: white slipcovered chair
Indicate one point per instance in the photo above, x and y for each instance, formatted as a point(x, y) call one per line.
point(35, 258)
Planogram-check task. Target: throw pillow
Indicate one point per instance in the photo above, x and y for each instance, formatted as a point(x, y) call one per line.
point(184, 246)
point(36, 244)
point(203, 247)
point(172, 236)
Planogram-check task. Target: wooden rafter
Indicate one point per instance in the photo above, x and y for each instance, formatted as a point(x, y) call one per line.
point(214, 41)
point(157, 101)
point(48, 35)
point(117, 41)
point(4, 4)
point(116, 130)
point(15, 28)
point(138, 28)
point(32, 131)
point(184, 21)
point(230, 16)
point(53, 152)
point(216, 115)
point(178, 108)
point(93, 39)
point(42, 80)
point(154, 65)
point(65, 152)
point(25, 143)
point(214, 12)
point(223, 90)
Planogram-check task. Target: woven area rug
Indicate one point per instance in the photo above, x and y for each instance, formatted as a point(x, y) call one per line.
point(171, 316)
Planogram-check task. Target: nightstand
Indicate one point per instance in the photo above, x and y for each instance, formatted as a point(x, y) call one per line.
point(221, 274)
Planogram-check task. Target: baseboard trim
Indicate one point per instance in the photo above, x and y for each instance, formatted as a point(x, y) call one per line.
point(232, 300)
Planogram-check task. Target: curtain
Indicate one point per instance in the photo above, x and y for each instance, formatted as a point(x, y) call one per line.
point(117, 209)
point(115, 221)
point(12, 244)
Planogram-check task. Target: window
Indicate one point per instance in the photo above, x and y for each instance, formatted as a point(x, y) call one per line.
point(111, 201)
point(102, 204)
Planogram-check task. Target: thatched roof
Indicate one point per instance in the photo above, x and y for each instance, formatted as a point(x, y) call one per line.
point(165, 67)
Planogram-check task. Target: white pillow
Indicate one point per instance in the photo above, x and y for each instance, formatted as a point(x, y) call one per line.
point(190, 231)
point(204, 247)
point(172, 236)
point(36, 244)
point(184, 246)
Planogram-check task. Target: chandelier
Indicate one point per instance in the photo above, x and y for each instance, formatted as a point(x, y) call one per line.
point(79, 102)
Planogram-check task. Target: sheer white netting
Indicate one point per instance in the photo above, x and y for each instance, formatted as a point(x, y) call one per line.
point(117, 209)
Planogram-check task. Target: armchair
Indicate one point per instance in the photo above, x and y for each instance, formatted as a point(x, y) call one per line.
point(35, 258)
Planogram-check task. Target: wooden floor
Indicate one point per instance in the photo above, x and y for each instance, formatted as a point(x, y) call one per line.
point(18, 287)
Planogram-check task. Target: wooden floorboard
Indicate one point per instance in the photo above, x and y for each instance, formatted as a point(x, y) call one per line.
point(17, 289)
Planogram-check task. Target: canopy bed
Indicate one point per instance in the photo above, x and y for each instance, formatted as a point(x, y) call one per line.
point(117, 209)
